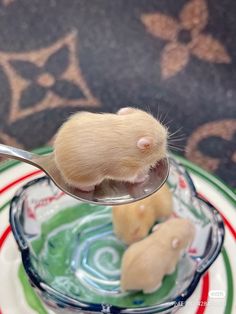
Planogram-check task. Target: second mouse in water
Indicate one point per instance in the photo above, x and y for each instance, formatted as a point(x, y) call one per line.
point(145, 263)
point(92, 147)
point(132, 222)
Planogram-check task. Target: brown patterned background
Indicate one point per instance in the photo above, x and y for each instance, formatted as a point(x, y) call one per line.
point(176, 58)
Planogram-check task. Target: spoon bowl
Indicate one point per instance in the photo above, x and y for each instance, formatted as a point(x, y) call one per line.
point(109, 192)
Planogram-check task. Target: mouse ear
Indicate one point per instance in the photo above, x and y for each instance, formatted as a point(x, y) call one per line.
point(145, 142)
point(125, 110)
point(175, 243)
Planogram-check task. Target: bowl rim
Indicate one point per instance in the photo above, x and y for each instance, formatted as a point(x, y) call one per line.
point(60, 298)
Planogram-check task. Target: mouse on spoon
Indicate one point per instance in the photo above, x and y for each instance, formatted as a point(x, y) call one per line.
point(91, 147)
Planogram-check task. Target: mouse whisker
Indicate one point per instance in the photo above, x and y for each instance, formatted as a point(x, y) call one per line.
point(158, 111)
point(167, 123)
point(165, 116)
point(176, 143)
point(177, 139)
point(162, 117)
point(181, 149)
point(176, 132)
point(178, 146)
point(159, 116)
point(148, 109)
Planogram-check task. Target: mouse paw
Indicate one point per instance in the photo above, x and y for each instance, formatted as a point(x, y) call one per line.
point(153, 289)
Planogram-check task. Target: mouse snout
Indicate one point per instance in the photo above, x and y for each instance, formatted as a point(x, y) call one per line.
point(162, 136)
point(161, 147)
point(162, 141)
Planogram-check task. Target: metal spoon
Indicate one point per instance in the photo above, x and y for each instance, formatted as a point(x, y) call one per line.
point(107, 193)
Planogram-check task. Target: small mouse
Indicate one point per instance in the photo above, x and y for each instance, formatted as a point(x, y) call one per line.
point(91, 147)
point(145, 263)
point(132, 222)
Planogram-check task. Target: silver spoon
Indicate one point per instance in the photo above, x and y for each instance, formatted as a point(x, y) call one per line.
point(107, 193)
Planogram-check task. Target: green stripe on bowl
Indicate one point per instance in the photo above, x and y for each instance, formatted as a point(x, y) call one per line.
point(230, 284)
point(220, 185)
point(4, 205)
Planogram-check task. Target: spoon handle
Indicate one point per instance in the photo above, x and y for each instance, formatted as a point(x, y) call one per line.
point(19, 154)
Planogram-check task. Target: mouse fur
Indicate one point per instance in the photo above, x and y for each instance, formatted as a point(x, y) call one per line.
point(91, 147)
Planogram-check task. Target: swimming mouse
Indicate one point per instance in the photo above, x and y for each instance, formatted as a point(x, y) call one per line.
point(91, 147)
point(132, 222)
point(145, 263)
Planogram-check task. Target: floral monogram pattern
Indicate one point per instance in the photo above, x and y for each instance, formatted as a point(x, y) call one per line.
point(213, 146)
point(47, 78)
point(5, 138)
point(185, 37)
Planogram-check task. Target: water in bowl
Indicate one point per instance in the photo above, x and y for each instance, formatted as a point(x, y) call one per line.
point(78, 254)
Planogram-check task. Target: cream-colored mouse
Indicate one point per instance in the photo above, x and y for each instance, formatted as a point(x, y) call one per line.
point(146, 262)
point(132, 222)
point(91, 147)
